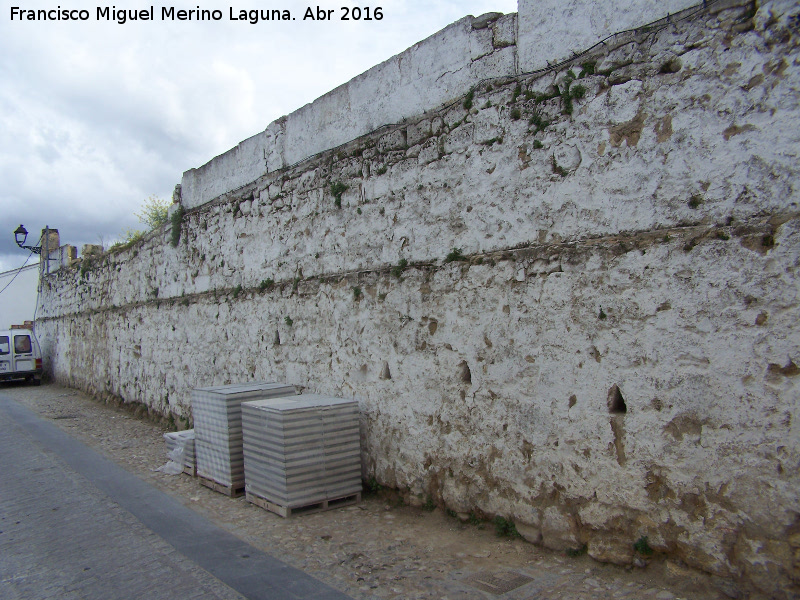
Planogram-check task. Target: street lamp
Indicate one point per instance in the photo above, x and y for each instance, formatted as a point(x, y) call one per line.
point(20, 235)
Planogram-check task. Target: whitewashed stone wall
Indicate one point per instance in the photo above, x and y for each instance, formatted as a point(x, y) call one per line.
point(436, 70)
point(643, 249)
point(554, 30)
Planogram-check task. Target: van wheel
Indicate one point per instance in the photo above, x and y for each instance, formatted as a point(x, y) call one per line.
point(36, 381)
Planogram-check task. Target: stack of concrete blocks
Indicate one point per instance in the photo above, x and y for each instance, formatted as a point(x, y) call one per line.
point(302, 453)
point(217, 415)
point(180, 445)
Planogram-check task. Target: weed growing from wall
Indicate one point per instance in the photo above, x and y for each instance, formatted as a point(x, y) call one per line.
point(558, 169)
point(86, 266)
point(505, 528)
point(587, 68)
point(397, 271)
point(541, 98)
point(455, 255)
point(177, 222)
point(371, 486)
point(516, 93)
point(538, 120)
point(130, 237)
point(337, 189)
point(567, 95)
point(154, 212)
point(468, 100)
point(695, 201)
point(642, 547)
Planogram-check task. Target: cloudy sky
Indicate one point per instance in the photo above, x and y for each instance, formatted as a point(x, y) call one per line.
point(95, 116)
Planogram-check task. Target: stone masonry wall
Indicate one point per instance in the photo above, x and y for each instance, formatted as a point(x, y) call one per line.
point(553, 30)
point(434, 71)
point(569, 299)
point(438, 69)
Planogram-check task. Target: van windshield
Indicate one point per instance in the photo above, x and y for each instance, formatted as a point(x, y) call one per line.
point(5, 347)
point(22, 344)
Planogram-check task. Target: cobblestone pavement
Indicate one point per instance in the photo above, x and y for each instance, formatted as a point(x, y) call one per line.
point(379, 549)
point(51, 546)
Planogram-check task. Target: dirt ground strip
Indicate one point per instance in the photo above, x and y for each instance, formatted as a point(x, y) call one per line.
point(379, 549)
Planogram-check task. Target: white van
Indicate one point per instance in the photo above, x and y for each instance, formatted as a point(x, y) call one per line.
point(20, 356)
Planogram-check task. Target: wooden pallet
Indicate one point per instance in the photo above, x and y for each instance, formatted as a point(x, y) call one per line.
point(230, 491)
point(287, 512)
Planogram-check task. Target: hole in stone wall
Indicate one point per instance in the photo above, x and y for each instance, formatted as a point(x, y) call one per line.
point(464, 373)
point(616, 403)
point(432, 326)
point(385, 372)
point(277, 340)
point(671, 66)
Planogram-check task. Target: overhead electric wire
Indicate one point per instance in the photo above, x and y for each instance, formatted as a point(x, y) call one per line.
point(18, 271)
